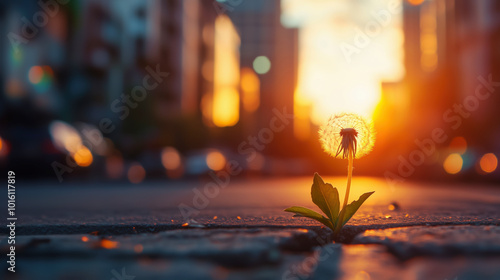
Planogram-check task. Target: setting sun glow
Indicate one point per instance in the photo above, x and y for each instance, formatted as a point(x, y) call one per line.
point(339, 72)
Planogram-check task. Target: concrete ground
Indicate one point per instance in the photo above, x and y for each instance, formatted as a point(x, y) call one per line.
point(121, 231)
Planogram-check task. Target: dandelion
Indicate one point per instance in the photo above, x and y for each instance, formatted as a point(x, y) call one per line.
point(344, 136)
point(349, 136)
point(347, 130)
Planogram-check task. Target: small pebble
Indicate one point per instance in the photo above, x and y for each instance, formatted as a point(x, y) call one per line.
point(394, 206)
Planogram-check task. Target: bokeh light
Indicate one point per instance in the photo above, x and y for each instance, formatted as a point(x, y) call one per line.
point(83, 157)
point(41, 78)
point(136, 173)
point(488, 163)
point(170, 158)
point(65, 137)
point(35, 74)
point(453, 163)
point(108, 244)
point(226, 107)
point(261, 64)
point(458, 145)
point(216, 160)
point(250, 86)
point(226, 97)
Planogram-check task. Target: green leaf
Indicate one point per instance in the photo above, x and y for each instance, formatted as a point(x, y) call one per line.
point(326, 197)
point(351, 209)
point(302, 211)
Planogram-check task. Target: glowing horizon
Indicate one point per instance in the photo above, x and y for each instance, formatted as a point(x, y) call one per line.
point(336, 72)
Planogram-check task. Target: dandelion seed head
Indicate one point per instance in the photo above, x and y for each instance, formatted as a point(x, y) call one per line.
point(344, 130)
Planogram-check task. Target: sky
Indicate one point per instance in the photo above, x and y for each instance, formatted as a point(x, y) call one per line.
point(347, 48)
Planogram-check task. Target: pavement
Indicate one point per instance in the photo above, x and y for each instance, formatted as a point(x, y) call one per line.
point(87, 230)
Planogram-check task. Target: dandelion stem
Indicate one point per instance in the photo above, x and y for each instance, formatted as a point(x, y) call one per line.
point(348, 189)
point(349, 176)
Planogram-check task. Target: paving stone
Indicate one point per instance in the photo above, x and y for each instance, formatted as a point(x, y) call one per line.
point(374, 262)
point(453, 268)
point(407, 242)
point(116, 269)
point(332, 261)
point(232, 248)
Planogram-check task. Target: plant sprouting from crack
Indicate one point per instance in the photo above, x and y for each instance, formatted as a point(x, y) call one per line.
point(343, 136)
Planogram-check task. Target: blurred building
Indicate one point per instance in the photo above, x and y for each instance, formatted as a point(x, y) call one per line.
point(229, 65)
point(176, 46)
point(249, 66)
point(451, 47)
point(264, 39)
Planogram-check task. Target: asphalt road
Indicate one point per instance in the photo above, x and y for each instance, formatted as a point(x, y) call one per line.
point(80, 207)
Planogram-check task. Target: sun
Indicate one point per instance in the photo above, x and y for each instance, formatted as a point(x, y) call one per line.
point(328, 82)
